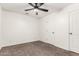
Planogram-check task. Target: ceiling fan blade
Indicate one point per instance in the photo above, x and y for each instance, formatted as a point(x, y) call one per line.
point(31, 4)
point(29, 9)
point(45, 10)
point(40, 4)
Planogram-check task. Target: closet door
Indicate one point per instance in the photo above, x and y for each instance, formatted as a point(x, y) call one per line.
point(74, 31)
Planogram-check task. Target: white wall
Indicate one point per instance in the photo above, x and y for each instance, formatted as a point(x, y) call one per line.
point(58, 22)
point(18, 28)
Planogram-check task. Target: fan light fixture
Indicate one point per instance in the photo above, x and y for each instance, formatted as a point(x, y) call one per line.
point(35, 10)
point(36, 7)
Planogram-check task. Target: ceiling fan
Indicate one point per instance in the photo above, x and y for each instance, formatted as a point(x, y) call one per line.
point(36, 6)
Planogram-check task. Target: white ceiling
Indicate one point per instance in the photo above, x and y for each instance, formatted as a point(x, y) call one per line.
point(20, 7)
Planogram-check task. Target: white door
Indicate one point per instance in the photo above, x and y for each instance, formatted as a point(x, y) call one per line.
point(74, 31)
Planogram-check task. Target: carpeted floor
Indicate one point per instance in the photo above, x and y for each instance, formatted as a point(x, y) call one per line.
point(36, 48)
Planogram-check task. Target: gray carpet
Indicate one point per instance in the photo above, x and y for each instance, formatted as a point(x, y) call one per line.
point(36, 48)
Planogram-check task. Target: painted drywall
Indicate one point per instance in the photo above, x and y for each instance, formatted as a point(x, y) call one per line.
point(55, 28)
point(18, 28)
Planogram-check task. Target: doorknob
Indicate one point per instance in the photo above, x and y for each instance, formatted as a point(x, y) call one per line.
point(70, 33)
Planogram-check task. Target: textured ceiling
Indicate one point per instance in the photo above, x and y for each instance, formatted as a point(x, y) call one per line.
point(20, 7)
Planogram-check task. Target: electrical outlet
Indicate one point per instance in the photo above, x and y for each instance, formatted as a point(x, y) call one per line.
point(52, 32)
